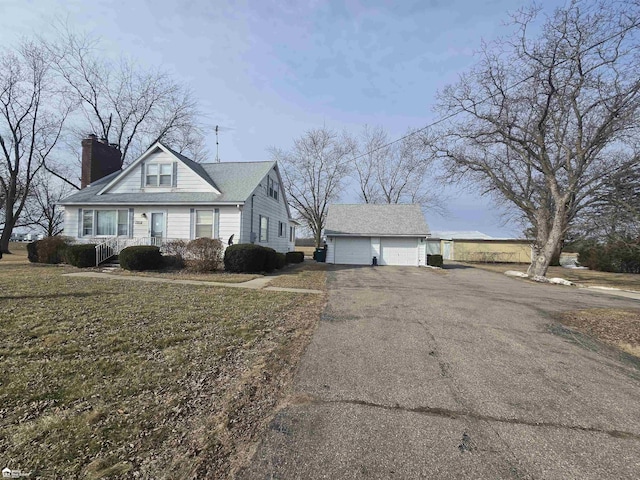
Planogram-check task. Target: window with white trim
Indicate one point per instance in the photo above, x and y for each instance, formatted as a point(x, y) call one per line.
point(291, 235)
point(105, 223)
point(204, 224)
point(159, 175)
point(87, 223)
point(282, 229)
point(264, 229)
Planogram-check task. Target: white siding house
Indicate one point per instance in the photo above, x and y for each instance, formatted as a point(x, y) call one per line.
point(393, 234)
point(164, 196)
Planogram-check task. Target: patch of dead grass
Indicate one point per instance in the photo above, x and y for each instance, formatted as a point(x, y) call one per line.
point(620, 328)
point(219, 277)
point(310, 275)
point(113, 378)
point(626, 281)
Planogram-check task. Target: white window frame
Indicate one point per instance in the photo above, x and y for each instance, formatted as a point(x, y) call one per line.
point(94, 222)
point(158, 175)
point(291, 233)
point(196, 224)
point(262, 238)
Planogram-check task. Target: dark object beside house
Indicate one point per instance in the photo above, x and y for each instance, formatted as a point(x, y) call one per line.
point(82, 255)
point(281, 260)
point(295, 257)
point(320, 254)
point(141, 257)
point(435, 260)
point(270, 262)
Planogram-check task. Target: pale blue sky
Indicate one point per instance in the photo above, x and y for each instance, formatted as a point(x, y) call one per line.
point(270, 70)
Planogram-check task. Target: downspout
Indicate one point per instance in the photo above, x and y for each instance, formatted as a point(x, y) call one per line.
point(251, 235)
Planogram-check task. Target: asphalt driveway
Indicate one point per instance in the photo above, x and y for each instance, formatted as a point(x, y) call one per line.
point(415, 373)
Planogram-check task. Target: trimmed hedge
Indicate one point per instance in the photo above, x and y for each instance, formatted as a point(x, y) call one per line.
point(245, 258)
point(82, 255)
point(295, 257)
point(281, 260)
point(435, 260)
point(140, 257)
point(32, 251)
point(48, 250)
point(271, 261)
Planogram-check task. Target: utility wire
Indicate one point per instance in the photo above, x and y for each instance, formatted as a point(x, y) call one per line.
point(475, 104)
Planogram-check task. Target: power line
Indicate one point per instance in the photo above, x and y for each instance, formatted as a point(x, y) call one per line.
point(474, 104)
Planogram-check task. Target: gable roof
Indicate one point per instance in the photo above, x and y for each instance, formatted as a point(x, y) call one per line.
point(234, 182)
point(376, 220)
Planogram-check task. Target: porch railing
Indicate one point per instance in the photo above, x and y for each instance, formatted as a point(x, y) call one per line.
point(111, 247)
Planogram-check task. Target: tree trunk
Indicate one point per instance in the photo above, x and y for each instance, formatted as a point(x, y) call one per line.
point(6, 235)
point(548, 242)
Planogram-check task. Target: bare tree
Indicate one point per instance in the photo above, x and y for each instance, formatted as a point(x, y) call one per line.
point(314, 171)
point(42, 209)
point(541, 119)
point(125, 104)
point(395, 172)
point(31, 120)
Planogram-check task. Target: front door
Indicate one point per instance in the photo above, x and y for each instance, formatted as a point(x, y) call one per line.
point(157, 224)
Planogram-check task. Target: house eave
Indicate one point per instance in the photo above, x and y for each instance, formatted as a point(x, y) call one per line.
point(421, 235)
point(152, 203)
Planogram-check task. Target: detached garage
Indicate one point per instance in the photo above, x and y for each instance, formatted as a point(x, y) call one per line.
point(393, 234)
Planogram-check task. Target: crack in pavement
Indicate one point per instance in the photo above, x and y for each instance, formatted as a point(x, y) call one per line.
point(457, 414)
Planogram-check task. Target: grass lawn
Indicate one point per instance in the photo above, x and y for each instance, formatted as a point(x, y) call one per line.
point(628, 281)
point(220, 277)
point(310, 275)
point(620, 328)
point(105, 379)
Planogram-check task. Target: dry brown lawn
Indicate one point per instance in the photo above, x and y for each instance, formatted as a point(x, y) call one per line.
point(216, 277)
point(627, 281)
point(620, 328)
point(109, 379)
point(310, 275)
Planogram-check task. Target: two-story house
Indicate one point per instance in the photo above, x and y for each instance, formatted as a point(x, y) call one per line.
point(164, 195)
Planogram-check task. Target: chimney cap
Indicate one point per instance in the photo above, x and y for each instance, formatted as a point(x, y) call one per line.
point(104, 140)
point(114, 145)
point(91, 136)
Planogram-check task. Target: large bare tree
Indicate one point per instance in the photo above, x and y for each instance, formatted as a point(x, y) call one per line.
point(541, 118)
point(42, 208)
point(32, 115)
point(125, 104)
point(314, 173)
point(394, 172)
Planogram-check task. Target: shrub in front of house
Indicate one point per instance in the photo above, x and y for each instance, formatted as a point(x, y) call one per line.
point(295, 257)
point(140, 257)
point(32, 251)
point(281, 260)
point(245, 258)
point(270, 260)
point(48, 250)
point(82, 255)
point(173, 254)
point(435, 260)
point(204, 255)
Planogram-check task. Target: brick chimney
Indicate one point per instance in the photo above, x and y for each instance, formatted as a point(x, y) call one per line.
point(99, 159)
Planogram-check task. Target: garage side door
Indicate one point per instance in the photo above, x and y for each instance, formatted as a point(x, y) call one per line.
point(352, 251)
point(399, 251)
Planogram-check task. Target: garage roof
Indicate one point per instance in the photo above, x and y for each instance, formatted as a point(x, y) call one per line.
point(376, 220)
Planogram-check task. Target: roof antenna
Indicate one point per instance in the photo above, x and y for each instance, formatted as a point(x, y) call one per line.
point(217, 156)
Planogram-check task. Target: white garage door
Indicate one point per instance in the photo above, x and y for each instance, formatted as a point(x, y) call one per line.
point(398, 251)
point(352, 251)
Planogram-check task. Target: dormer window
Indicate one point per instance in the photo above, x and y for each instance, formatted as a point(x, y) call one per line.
point(159, 175)
point(272, 187)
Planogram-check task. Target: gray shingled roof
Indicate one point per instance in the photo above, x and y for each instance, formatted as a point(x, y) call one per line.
point(376, 220)
point(236, 181)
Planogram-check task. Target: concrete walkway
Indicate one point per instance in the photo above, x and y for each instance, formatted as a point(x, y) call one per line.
point(457, 374)
point(255, 284)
